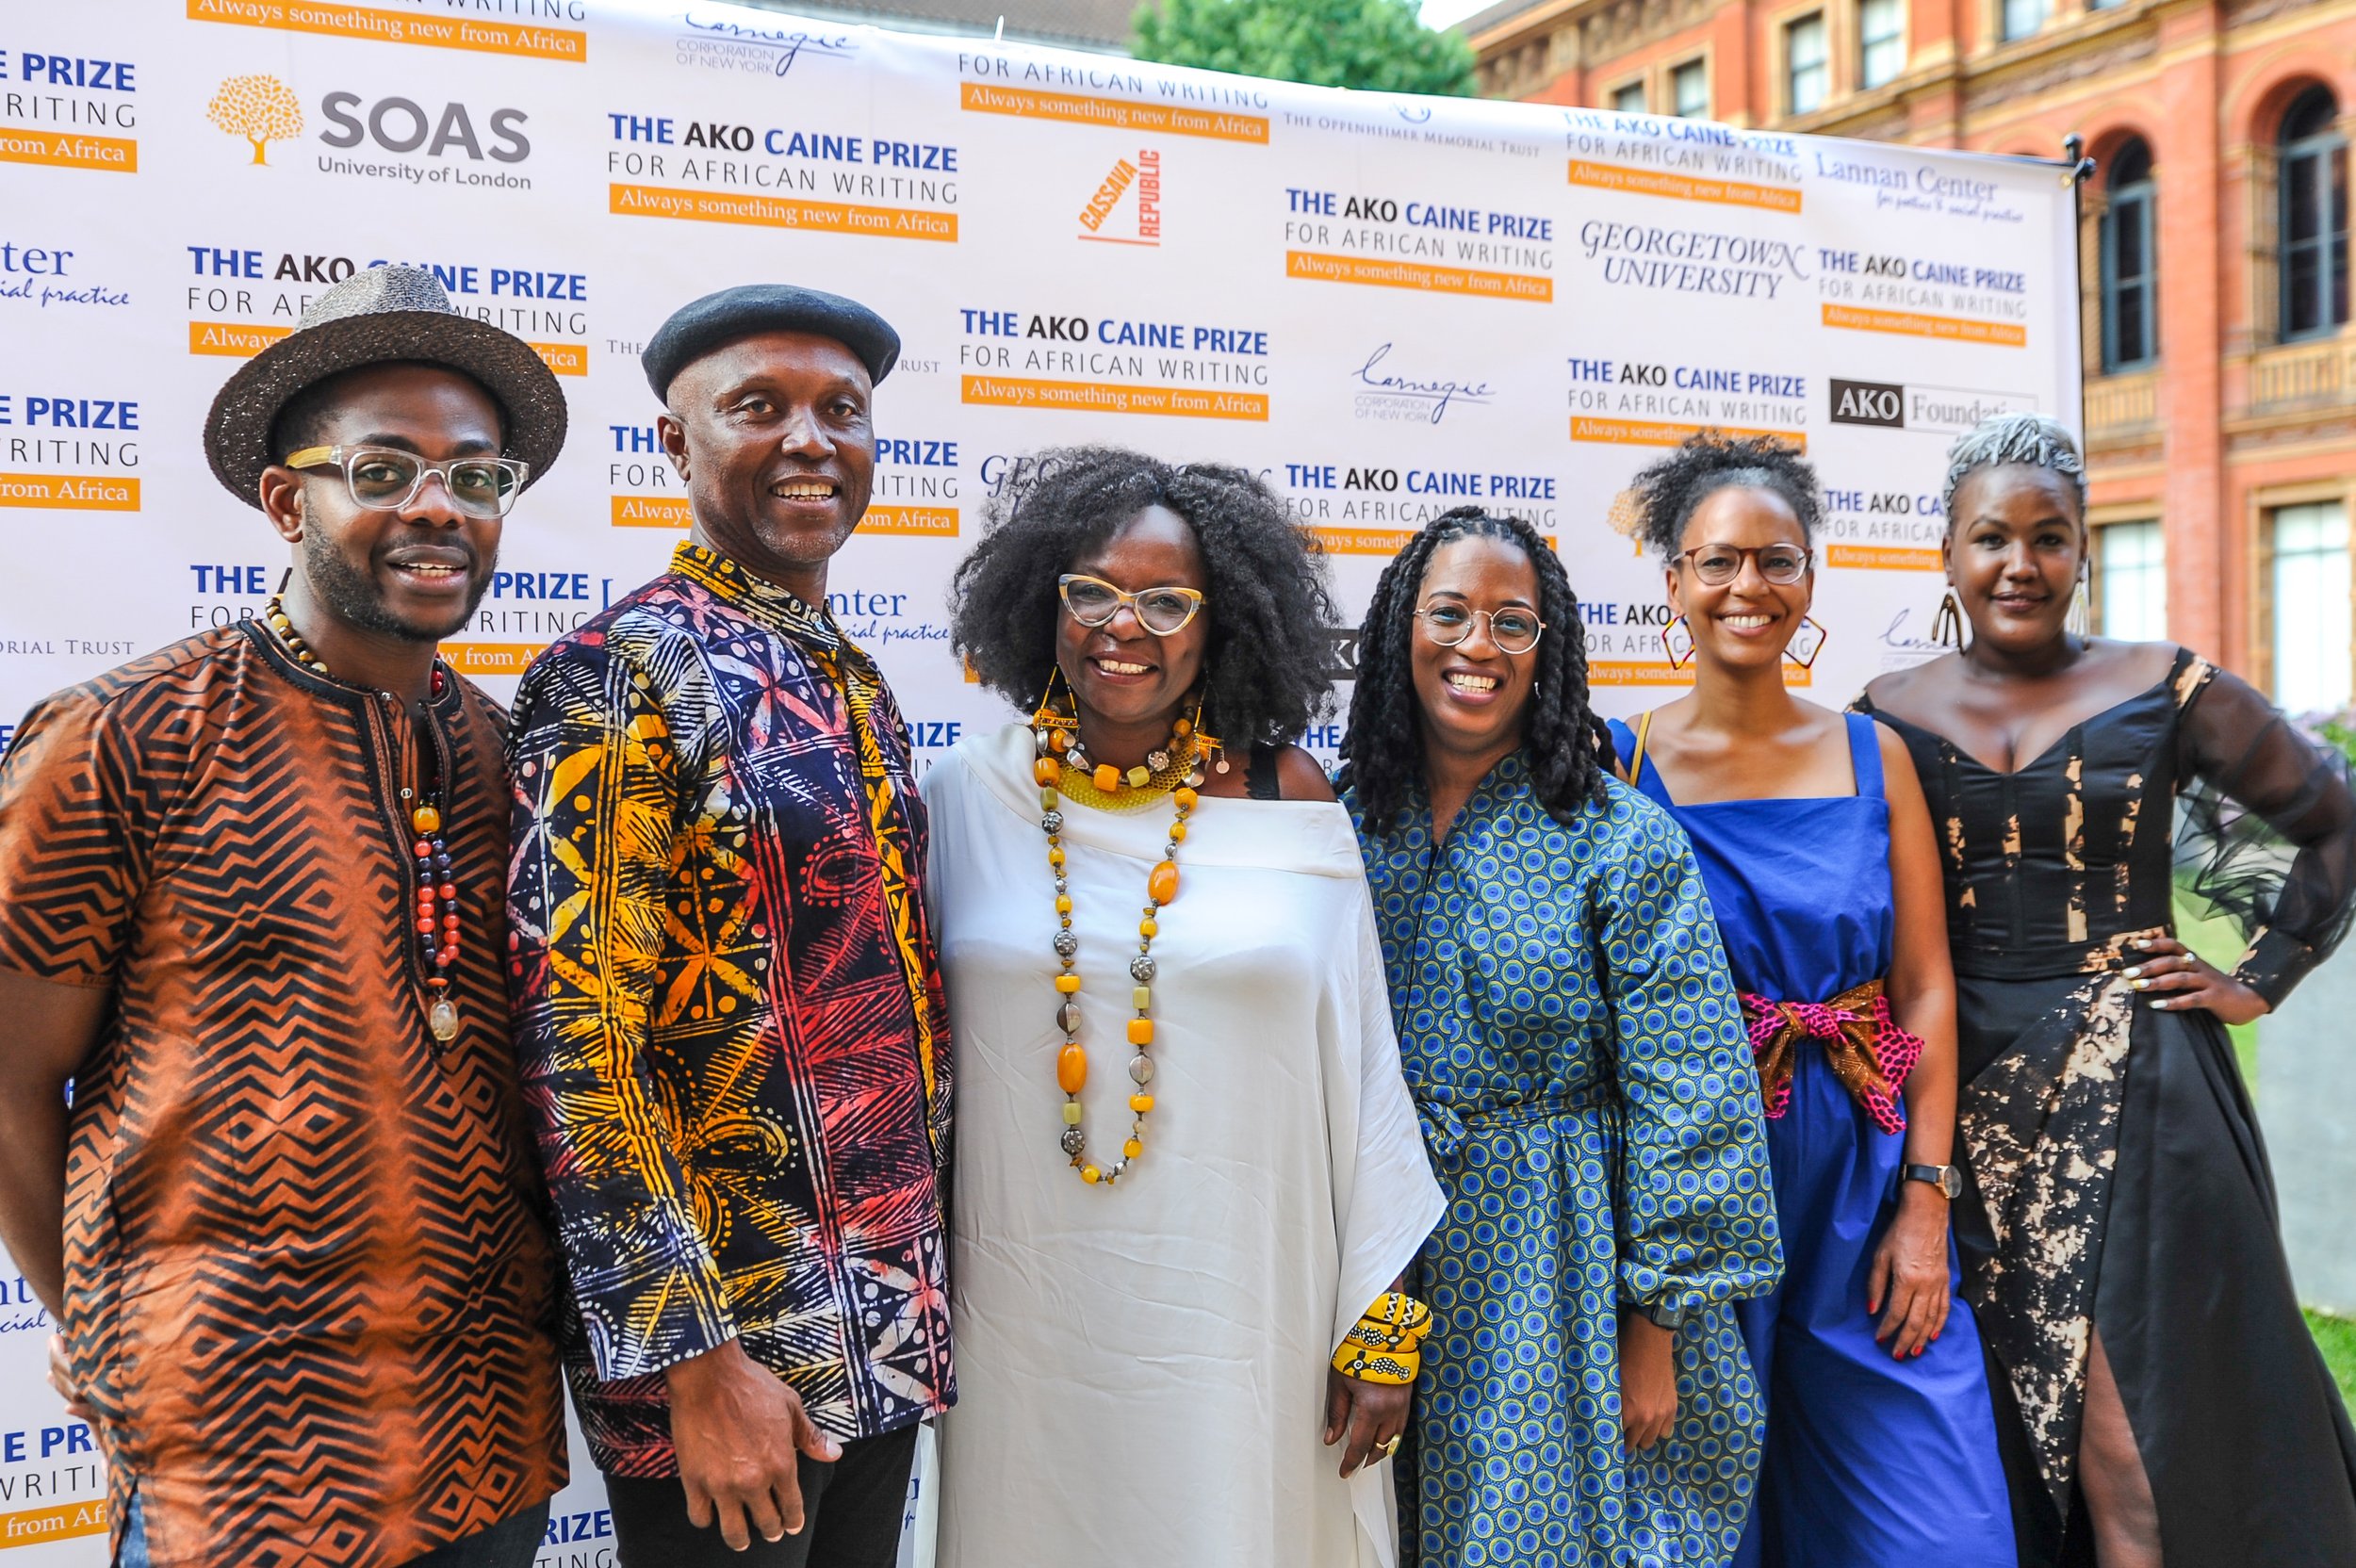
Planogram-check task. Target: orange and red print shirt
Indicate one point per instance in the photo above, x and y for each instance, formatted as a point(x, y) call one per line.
point(309, 1295)
point(728, 1009)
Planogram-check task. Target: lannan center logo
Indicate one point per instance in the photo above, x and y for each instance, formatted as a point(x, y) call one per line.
point(262, 109)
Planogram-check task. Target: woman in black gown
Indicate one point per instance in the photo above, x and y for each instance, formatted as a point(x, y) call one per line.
point(2123, 1252)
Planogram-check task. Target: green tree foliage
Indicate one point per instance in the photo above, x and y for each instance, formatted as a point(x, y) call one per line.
point(1381, 46)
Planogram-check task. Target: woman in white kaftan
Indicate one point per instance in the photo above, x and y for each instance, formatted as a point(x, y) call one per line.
point(1147, 1294)
point(1141, 1372)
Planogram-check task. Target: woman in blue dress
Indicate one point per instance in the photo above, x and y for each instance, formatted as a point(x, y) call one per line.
point(1817, 847)
point(1579, 1067)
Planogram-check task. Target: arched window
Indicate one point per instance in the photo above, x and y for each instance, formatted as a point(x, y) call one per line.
point(2314, 180)
point(2131, 269)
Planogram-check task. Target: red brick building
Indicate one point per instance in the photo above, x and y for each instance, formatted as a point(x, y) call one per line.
point(2220, 401)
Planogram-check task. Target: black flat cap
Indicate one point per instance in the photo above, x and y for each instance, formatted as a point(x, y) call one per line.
point(719, 319)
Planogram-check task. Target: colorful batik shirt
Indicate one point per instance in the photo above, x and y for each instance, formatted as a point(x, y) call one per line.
point(309, 1295)
point(728, 1009)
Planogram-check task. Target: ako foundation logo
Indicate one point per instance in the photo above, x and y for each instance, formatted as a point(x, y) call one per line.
point(1127, 207)
point(260, 108)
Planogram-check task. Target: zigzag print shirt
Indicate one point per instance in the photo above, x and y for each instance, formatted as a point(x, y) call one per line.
point(308, 1292)
point(727, 1001)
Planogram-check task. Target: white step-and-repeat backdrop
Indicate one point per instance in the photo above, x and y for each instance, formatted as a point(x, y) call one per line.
point(1386, 306)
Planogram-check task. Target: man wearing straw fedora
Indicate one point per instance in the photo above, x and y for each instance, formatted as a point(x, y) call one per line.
point(251, 921)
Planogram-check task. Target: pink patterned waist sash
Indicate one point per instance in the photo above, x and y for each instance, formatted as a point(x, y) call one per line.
point(1866, 1048)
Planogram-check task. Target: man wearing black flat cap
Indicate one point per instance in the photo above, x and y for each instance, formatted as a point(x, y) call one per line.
point(726, 1000)
point(251, 906)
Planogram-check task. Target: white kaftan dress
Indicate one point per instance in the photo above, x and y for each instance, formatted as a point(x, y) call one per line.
point(1141, 1370)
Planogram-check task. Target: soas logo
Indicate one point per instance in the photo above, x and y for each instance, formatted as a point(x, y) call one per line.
point(404, 125)
point(262, 109)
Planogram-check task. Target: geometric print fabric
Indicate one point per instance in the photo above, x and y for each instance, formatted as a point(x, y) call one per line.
point(1578, 1059)
point(308, 1291)
point(729, 1018)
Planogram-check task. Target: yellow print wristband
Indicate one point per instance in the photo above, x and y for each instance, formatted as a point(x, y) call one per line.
point(1385, 1344)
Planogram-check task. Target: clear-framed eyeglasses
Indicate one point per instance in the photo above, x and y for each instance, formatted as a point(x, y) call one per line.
point(386, 479)
point(1163, 612)
point(1513, 630)
point(1719, 564)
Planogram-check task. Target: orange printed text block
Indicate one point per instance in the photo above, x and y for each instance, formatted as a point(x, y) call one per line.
point(368, 22)
point(1656, 672)
point(474, 659)
point(1120, 114)
point(781, 212)
point(1882, 557)
point(1375, 272)
point(71, 492)
point(69, 150)
point(1683, 188)
point(1664, 432)
point(232, 338)
point(651, 511)
point(1185, 402)
point(935, 522)
point(1908, 323)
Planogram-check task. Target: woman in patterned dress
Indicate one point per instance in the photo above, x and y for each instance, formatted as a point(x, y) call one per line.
point(1823, 873)
point(1585, 1088)
point(2120, 1249)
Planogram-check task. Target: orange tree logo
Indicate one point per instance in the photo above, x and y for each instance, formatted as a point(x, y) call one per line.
point(262, 109)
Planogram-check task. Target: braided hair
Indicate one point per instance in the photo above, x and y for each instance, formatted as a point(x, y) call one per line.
point(1568, 747)
point(1265, 594)
point(2031, 440)
point(1667, 494)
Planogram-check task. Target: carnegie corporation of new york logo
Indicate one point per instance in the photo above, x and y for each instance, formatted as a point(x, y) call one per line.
point(1396, 385)
point(419, 138)
point(1942, 410)
point(718, 39)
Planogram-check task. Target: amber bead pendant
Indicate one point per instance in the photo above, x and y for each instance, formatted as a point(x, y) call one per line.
point(1161, 889)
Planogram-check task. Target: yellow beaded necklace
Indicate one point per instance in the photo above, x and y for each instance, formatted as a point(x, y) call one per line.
point(1057, 738)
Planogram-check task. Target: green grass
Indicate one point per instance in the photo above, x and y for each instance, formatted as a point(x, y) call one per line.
point(2337, 1338)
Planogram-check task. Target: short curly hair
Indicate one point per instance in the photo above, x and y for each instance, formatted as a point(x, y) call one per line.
point(1672, 490)
point(1266, 597)
point(1568, 747)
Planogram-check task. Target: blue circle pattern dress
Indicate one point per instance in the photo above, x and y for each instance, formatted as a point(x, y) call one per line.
point(1870, 1463)
point(1578, 1063)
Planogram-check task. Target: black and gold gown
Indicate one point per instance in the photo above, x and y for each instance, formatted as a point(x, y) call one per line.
point(2121, 1180)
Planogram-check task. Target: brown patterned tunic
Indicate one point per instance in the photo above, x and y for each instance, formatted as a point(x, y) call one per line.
point(308, 1290)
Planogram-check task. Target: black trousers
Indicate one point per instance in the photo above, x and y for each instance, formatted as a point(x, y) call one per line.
point(851, 1515)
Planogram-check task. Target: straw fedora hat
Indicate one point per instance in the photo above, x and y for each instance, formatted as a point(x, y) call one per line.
point(384, 314)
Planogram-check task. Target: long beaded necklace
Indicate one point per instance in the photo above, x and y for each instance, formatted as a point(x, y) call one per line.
point(1057, 739)
point(437, 915)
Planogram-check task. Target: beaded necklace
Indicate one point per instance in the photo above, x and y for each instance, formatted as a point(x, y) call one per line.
point(437, 914)
point(1182, 760)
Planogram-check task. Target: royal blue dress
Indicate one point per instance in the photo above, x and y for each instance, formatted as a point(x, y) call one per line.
point(1870, 1462)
